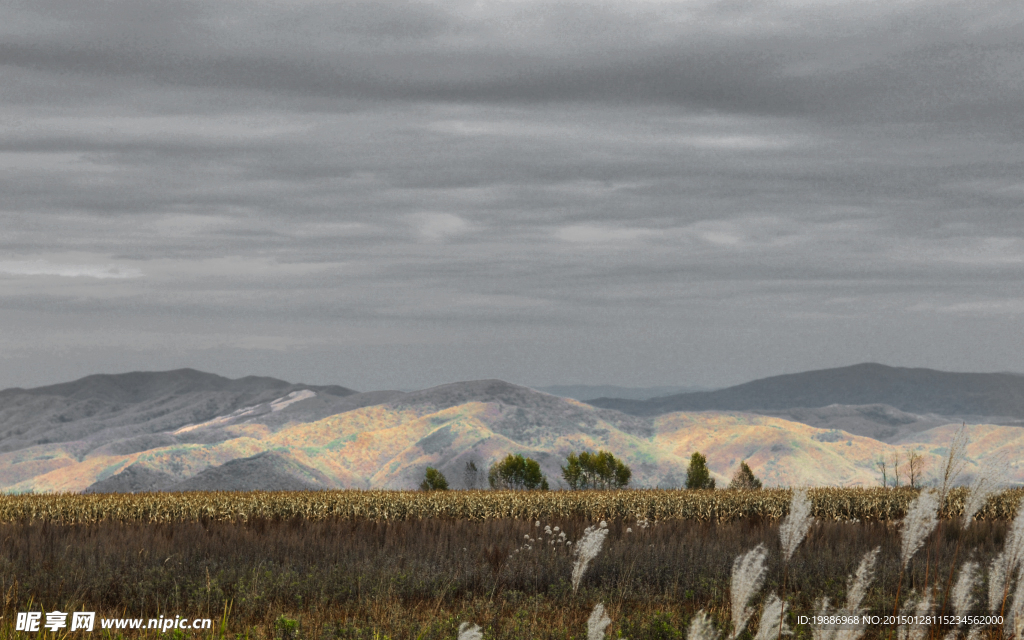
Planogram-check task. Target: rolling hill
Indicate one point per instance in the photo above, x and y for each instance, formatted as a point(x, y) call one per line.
point(102, 409)
point(869, 399)
point(919, 391)
point(300, 436)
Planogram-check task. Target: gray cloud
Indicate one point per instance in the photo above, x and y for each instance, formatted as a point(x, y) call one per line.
point(402, 194)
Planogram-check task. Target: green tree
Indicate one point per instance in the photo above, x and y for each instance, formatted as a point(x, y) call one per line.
point(434, 481)
point(517, 472)
point(744, 478)
point(698, 476)
point(595, 471)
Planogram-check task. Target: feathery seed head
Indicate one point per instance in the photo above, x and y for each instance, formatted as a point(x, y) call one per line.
point(857, 586)
point(748, 571)
point(980, 493)
point(701, 628)
point(597, 623)
point(586, 550)
point(956, 459)
point(921, 608)
point(822, 608)
point(1014, 618)
point(774, 610)
point(469, 632)
point(922, 516)
point(1014, 549)
point(963, 587)
point(1007, 564)
point(794, 528)
point(997, 583)
point(856, 589)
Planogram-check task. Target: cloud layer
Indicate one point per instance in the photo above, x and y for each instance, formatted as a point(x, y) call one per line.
point(408, 193)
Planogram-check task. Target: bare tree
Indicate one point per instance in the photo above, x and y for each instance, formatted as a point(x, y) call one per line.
point(471, 475)
point(881, 466)
point(895, 459)
point(914, 464)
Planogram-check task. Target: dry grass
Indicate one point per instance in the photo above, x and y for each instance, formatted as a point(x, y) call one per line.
point(701, 506)
point(379, 565)
point(423, 578)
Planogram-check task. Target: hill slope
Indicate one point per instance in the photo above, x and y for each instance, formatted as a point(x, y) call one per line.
point(387, 440)
point(918, 391)
point(102, 409)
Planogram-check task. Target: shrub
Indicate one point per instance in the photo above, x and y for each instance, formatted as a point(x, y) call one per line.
point(287, 628)
point(434, 481)
point(595, 471)
point(698, 476)
point(517, 472)
point(744, 478)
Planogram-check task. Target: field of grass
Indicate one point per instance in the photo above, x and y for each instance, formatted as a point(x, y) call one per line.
point(303, 573)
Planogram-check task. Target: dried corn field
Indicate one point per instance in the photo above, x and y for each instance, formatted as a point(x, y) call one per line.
point(657, 505)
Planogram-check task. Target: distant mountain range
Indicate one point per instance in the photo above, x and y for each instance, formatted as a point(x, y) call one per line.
point(869, 399)
point(588, 392)
point(185, 429)
point(911, 390)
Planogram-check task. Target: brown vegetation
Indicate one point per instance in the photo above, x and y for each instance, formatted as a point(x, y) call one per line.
point(653, 504)
point(420, 578)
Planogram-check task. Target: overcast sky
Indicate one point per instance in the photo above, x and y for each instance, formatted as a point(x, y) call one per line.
point(403, 194)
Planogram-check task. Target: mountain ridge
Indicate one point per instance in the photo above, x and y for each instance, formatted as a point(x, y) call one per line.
point(201, 431)
point(913, 390)
point(107, 407)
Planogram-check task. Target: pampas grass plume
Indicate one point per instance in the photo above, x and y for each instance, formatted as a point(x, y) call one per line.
point(962, 588)
point(921, 609)
point(586, 550)
point(1014, 549)
point(794, 527)
point(774, 609)
point(597, 623)
point(976, 499)
point(701, 628)
point(748, 572)
point(822, 608)
point(1006, 564)
point(857, 587)
point(1015, 616)
point(997, 582)
point(469, 632)
point(922, 516)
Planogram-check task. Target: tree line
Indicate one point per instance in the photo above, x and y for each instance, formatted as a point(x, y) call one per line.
point(585, 470)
